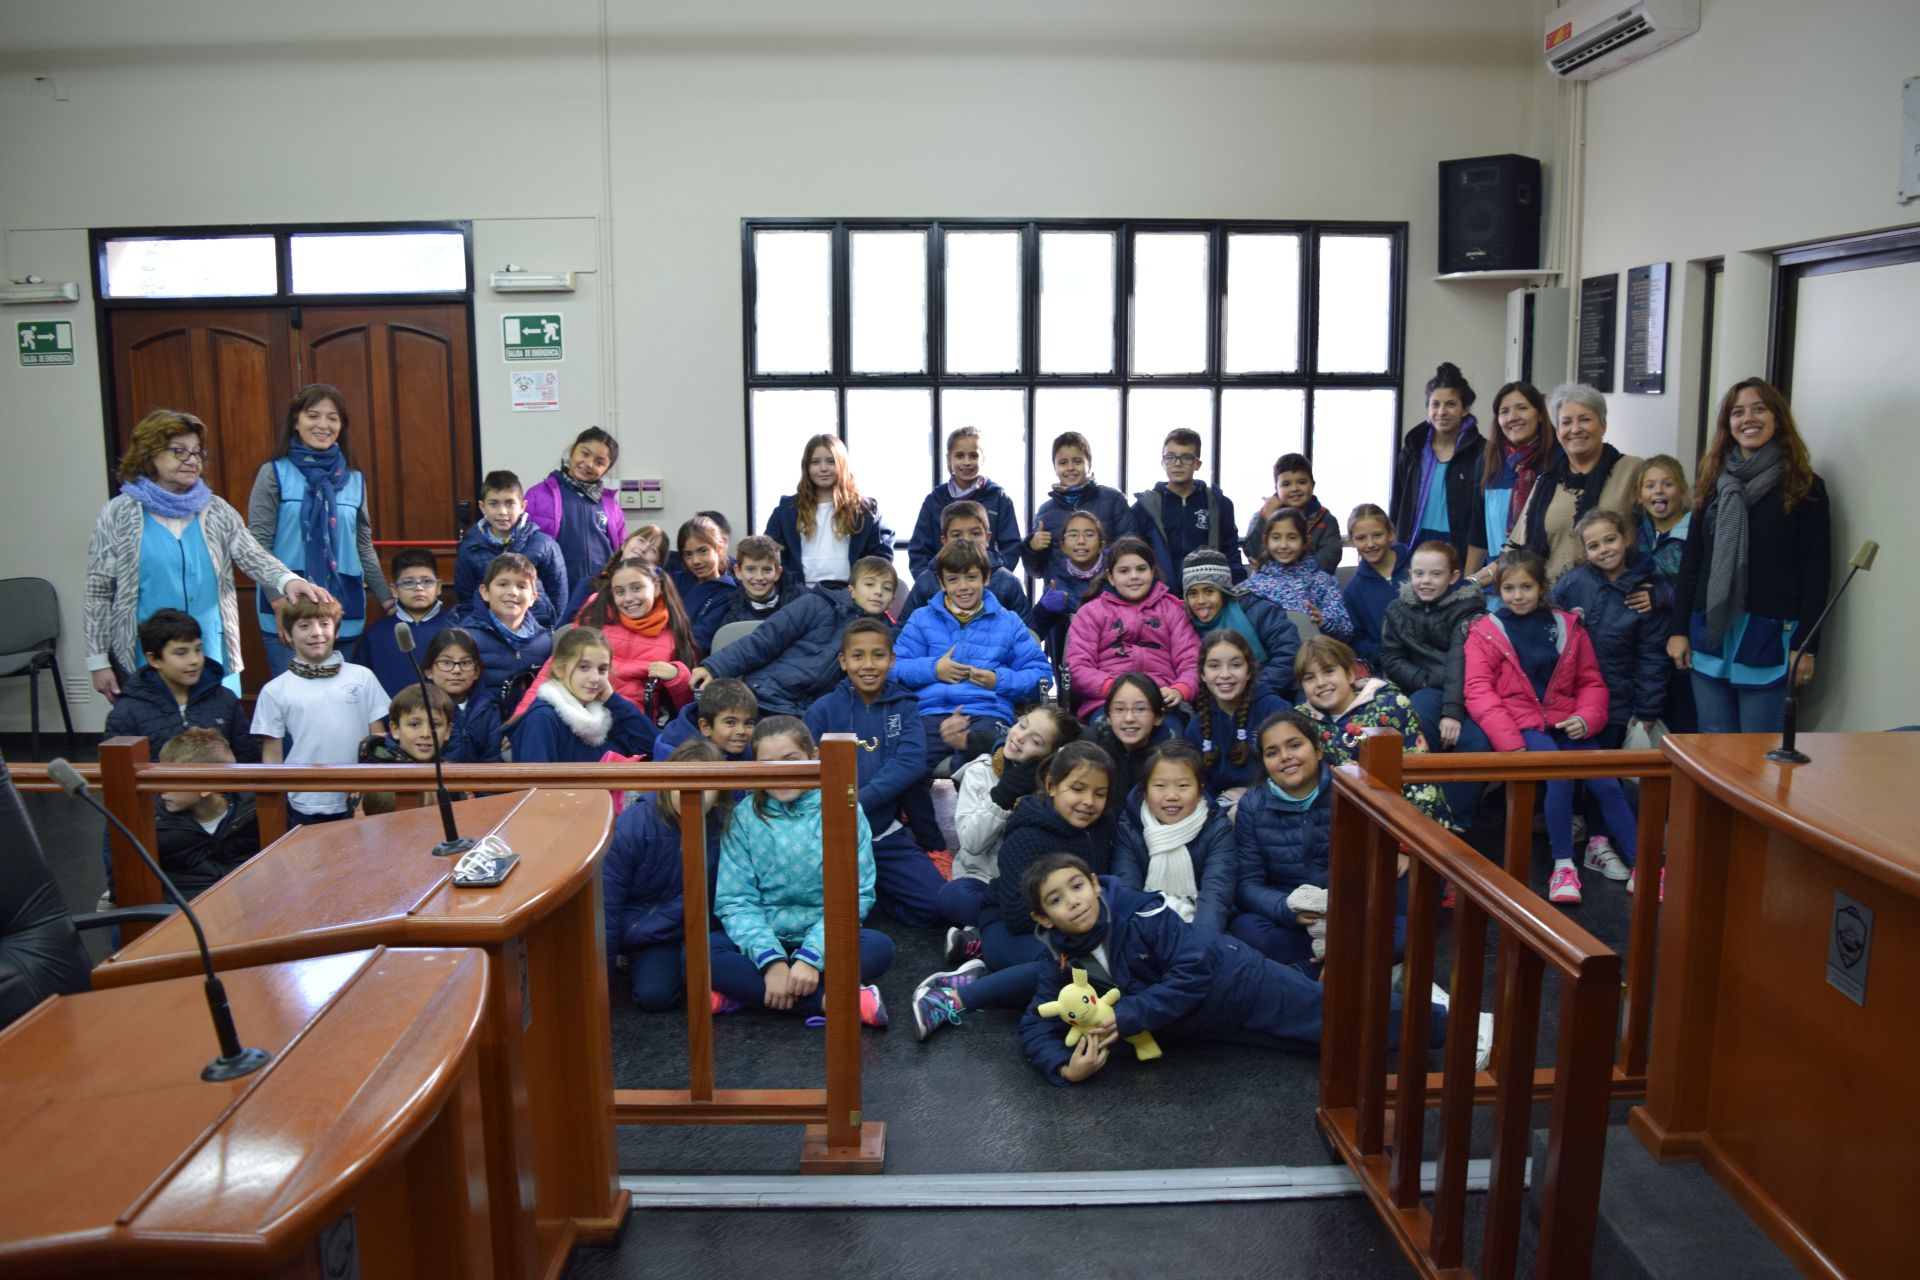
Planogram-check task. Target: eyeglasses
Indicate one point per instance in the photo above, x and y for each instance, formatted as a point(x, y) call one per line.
point(187, 455)
point(1176, 459)
point(418, 584)
point(454, 665)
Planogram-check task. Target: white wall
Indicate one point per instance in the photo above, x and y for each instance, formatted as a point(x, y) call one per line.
point(221, 111)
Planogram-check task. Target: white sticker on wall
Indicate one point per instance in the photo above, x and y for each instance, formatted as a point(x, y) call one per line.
point(535, 391)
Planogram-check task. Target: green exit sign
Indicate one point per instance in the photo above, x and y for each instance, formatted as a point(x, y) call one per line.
point(531, 337)
point(46, 342)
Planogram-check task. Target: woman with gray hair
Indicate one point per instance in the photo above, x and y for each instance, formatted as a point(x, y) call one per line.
point(1591, 476)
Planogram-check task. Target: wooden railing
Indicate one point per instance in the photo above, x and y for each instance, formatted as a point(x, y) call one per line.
point(1371, 824)
point(845, 1143)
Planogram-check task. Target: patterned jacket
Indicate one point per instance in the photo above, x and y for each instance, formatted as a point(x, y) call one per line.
point(1378, 704)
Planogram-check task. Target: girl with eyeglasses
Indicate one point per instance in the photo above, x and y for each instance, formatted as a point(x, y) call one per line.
point(452, 664)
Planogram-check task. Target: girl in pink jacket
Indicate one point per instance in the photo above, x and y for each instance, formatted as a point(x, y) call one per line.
point(648, 634)
point(1533, 684)
point(1131, 622)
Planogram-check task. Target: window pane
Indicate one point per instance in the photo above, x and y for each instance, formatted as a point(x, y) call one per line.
point(983, 302)
point(1001, 419)
point(1151, 413)
point(1263, 304)
point(1257, 426)
point(400, 262)
point(889, 301)
point(1356, 303)
point(783, 421)
point(793, 301)
point(1092, 411)
point(1170, 303)
point(890, 442)
point(1352, 450)
point(232, 267)
point(1076, 301)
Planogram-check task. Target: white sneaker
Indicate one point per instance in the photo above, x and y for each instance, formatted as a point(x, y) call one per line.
point(1602, 857)
point(106, 902)
point(1483, 1043)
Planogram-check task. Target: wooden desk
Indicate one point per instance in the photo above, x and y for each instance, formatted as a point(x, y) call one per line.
point(1788, 1091)
point(546, 1058)
point(116, 1159)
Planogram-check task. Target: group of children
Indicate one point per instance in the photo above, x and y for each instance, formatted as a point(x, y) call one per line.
point(1141, 771)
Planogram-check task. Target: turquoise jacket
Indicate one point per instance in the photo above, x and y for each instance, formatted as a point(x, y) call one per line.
point(768, 892)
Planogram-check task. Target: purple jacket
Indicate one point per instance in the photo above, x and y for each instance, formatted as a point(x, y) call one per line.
point(543, 508)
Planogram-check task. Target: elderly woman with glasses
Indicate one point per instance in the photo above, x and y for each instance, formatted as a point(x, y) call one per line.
point(166, 542)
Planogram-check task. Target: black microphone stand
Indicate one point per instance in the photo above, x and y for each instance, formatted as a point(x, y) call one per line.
point(1786, 753)
point(454, 843)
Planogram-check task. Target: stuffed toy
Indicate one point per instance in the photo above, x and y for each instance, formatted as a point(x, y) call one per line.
point(1080, 1009)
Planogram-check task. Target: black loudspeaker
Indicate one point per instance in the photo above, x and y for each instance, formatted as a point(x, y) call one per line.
point(1489, 214)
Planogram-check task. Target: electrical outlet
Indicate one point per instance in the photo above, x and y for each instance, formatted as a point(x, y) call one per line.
point(652, 495)
point(631, 499)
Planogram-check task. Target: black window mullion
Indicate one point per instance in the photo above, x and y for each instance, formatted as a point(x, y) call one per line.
point(1216, 336)
point(1123, 339)
point(1030, 358)
point(842, 344)
point(936, 337)
point(1307, 357)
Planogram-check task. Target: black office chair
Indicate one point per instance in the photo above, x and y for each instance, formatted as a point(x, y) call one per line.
point(40, 950)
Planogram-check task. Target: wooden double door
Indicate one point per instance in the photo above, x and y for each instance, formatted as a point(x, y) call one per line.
point(404, 370)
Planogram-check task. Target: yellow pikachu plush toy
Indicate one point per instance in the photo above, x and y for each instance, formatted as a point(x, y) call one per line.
point(1080, 1009)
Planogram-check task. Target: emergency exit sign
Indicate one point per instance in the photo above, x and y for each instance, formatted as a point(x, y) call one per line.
point(532, 337)
point(46, 342)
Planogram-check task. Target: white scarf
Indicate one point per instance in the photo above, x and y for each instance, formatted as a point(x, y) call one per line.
point(588, 722)
point(1169, 865)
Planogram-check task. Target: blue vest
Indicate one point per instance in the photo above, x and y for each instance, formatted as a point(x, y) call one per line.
point(177, 573)
point(290, 549)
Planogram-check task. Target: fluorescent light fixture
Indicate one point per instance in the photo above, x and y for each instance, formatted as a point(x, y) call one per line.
point(531, 281)
point(38, 291)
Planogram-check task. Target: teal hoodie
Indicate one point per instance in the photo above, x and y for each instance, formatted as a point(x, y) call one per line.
point(769, 893)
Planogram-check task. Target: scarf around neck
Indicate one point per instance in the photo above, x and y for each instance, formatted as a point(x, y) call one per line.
point(1522, 463)
point(1586, 490)
point(161, 501)
point(325, 471)
point(955, 492)
point(1086, 944)
point(326, 670)
point(1743, 481)
point(1169, 861)
point(589, 723)
point(591, 492)
point(1235, 618)
point(652, 625)
point(1094, 570)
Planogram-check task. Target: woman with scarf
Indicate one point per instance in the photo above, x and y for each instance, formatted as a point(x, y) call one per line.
point(576, 510)
point(310, 507)
point(1435, 484)
point(166, 542)
point(1511, 464)
point(1755, 571)
point(1591, 474)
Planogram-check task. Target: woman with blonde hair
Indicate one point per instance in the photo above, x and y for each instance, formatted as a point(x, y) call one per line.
point(166, 542)
point(824, 525)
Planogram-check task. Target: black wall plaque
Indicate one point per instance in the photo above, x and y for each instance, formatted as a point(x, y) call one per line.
point(1599, 310)
point(1647, 329)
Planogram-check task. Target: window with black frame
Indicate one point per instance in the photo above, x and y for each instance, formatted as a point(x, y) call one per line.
point(1265, 337)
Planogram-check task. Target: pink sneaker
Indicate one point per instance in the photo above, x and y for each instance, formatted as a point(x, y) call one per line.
point(1565, 885)
point(723, 1004)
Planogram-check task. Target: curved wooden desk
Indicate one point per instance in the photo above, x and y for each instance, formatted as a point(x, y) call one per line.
point(546, 1057)
point(1789, 1091)
point(116, 1159)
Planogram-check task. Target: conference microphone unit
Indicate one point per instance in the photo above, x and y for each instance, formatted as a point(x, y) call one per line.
point(1785, 753)
point(234, 1061)
point(454, 843)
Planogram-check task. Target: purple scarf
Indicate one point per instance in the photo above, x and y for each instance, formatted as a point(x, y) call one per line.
point(160, 501)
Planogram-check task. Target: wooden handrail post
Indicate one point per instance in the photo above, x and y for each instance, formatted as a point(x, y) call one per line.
point(696, 893)
point(121, 760)
point(1577, 1133)
point(1350, 838)
point(1379, 756)
point(1655, 794)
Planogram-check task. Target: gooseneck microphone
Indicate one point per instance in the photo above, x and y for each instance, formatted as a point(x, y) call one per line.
point(1785, 753)
point(234, 1061)
point(454, 843)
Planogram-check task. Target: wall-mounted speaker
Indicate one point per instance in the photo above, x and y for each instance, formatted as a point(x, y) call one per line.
point(1489, 214)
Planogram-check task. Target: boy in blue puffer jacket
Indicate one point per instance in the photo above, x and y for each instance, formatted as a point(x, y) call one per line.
point(794, 656)
point(883, 715)
point(645, 895)
point(1175, 981)
point(505, 527)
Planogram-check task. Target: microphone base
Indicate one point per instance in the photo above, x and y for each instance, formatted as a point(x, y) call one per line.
point(1787, 755)
point(452, 848)
point(243, 1063)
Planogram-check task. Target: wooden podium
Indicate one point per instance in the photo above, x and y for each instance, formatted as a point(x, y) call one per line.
point(361, 1135)
point(1791, 886)
point(546, 1057)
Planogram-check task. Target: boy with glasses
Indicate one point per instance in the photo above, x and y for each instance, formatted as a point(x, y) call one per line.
point(1181, 514)
point(416, 593)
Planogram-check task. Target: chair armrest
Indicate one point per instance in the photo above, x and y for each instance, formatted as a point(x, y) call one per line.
point(152, 914)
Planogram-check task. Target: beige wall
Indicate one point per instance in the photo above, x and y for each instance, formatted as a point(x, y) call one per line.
point(632, 159)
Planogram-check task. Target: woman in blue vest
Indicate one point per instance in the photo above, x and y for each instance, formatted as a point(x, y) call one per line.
point(309, 507)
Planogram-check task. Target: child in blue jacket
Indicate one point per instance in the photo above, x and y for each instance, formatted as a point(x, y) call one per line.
point(505, 527)
point(1280, 835)
point(511, 639)
point(1170, 841)
point(966, 485)
point(883, 715)
point(794, 656)
point(723, 714)
point(179, 688)
point(452, 664)
point(1075, 491)
point(645, 895)
point(967, 521)
point(576, 717)
point(1375, 584)
point(1176, 982)
point(1230, 707)
point(416, 596)
point(1214, 600)
point(768, 893)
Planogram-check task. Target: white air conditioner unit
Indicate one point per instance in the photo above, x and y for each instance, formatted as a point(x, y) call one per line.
point(1585, 40)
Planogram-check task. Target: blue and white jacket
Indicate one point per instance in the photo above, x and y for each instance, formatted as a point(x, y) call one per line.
point(1215, 861)
point(768, 891)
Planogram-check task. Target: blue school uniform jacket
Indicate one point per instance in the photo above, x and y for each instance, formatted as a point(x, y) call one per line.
point(644, 893)
point(1002, 586)
point(768, 890)
point(684, 727)
point(872, 538)
point(476, 732)
point(147, 709)
point(732, 605)
point(377, 651)
point(794, 656)
point(1367, 595)
point(1174, 528)
point(502, 655)
point(1002, 522)
point(1265, 626)
point(543, 735)
point(1223, 773)
point(1174, 980)
point(479, 547)
point(996, 638)
point(893, 746)
point(1280, 848)
point(1107, 505)
point(1212, 851)
point(1630, 647)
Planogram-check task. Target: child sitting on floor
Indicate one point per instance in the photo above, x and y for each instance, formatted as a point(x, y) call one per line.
point(1230, 707)
point(1170, 841)
point(416, 724)
point(576, 716)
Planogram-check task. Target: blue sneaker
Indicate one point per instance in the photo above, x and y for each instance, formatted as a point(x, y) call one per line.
point(936, 1001)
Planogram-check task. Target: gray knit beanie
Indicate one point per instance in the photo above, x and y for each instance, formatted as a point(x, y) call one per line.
point(1207, 567)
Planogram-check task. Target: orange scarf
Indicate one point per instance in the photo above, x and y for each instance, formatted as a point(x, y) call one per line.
point(651, 625)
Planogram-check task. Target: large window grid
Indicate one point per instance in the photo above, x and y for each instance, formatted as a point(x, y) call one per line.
point(1299, 346)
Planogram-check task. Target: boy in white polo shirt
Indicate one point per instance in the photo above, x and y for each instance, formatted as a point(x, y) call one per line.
point(325, 703)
